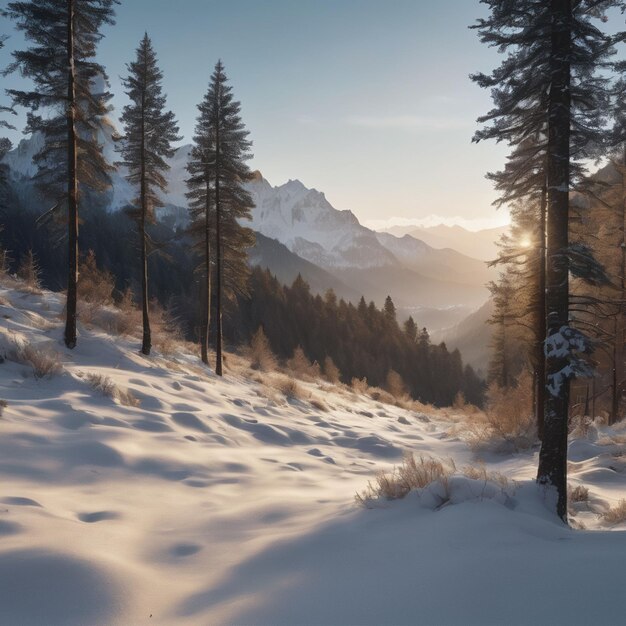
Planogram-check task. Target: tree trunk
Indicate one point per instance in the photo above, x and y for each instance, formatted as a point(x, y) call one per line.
point(552, 471)
point(206, 292)
point(218, 244)
point(540, 398)
point(146, 343)
point(72, 186)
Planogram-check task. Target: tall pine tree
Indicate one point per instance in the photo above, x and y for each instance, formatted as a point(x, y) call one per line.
point(149, 133)
point(64, 35)
point(219, 200)
point(548, 91)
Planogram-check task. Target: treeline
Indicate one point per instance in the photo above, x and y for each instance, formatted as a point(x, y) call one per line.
point(362, 341)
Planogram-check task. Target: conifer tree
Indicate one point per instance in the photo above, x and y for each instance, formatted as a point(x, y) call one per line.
point(64, 35)
point(390, 310)
point(150, 131)
point(548, 90)
point(219, 201)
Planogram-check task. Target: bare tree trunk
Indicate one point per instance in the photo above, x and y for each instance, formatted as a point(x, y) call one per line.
point(206, 295)
point(218, 245)
point(552, 471)
point(72, 186)
point(621, 326)
point(540, 399)
point(146, 343)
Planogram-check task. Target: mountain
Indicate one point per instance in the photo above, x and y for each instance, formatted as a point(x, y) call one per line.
point(472, 337)
point(329, 247)
point(479, 244)
point(286, 266)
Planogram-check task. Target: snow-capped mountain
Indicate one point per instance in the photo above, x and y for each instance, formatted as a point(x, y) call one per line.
point(303, 220)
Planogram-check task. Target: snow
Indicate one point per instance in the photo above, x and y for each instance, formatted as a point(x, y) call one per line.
point(218, 502)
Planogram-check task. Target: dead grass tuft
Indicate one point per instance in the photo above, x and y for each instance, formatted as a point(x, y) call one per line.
point(107, 387)
point(580, 493)
point(616, 514)
point(359, 385)
point(45, 362)
point(411, 474)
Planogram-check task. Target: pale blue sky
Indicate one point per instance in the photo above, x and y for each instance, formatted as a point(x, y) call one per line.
point(366, 100)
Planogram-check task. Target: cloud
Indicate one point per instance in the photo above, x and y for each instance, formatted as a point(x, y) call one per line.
point(474, 224)
point(415, 123)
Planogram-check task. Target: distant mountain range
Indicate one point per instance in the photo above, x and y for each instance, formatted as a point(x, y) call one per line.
point(478, 244)
point(300, 232)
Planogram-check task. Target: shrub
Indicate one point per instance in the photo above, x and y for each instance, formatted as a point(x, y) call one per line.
point(301, 367)
point(616, 514)
point(166, 332)
point(331, 371)
point(95, 286)
point(3, 405)
point(261, 355)
point(508, 418)
point(395, 385)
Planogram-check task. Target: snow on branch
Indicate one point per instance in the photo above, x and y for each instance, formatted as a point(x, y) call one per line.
point(567, 344)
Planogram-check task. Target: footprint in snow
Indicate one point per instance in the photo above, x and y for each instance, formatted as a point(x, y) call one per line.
point(9, 528)
point(97, 516)
point(185, 549)
point(18, 501)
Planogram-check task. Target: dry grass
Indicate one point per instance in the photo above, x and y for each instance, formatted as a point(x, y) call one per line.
point(380, 395)
point(580, 493)
point(411, 474)
point(616, 514)
point(289, 387)
point(319, 404)
point(104, 385)
point(331, 371)
point(45, 362)
point(395, 385)
point(359, 385)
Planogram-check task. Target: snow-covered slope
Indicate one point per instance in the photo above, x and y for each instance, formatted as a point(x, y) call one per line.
point(222, 502)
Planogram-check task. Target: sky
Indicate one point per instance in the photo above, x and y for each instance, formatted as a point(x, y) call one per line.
point(368, 101)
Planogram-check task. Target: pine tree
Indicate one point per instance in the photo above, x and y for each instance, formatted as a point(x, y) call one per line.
point(390, 310)
point(548, 91)
point(64, 35)
point(219, 201)
point(147, 142)
point(410, 329)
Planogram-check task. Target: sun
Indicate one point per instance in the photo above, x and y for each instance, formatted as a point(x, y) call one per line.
point(525, 241)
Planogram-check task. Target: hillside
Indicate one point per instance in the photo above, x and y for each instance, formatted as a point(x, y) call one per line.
point(146, 491)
